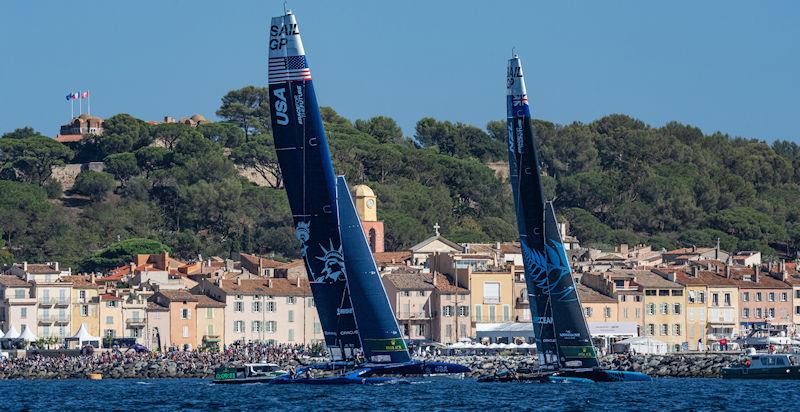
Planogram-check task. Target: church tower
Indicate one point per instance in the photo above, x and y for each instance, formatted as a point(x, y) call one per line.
point(367, 208)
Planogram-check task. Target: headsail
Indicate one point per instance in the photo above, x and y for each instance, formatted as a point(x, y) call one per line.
point(562, 337)
point(380, 335)
point(310, 183)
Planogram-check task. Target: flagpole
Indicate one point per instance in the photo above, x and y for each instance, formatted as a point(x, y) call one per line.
point(71, 109)
point(80, 104)
point(89, 103)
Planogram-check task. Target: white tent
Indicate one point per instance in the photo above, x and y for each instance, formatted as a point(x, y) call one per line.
point(1, 334)
point(641, 344)
point(28, 335)
point(83, 337)
point(12, 333)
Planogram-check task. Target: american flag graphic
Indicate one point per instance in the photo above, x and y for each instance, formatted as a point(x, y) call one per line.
point(519, 100)
point(286, 69)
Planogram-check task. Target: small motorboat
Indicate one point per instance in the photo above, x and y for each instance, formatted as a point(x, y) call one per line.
point(764, 366)
point(248, 373)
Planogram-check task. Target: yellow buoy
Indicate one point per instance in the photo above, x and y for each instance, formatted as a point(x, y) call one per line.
point(95, 376)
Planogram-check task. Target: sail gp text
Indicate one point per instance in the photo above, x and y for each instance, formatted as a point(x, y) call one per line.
point(278, 35)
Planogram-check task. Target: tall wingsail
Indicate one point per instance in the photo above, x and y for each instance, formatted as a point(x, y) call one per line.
point(305, 162)
point(380, 335)
point(562, 336)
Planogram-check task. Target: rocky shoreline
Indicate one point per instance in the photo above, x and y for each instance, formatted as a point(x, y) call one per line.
point(673, 365)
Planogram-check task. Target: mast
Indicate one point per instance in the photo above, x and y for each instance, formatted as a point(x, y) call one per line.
point(305, 163)
point(562, 337)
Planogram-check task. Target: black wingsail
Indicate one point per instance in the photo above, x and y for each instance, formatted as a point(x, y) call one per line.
point(310, 183)
point(562, 336)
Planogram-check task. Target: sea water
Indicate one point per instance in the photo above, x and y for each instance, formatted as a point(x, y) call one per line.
point(422, 394)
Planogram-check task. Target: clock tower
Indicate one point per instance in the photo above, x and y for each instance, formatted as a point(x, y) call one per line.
point(367, 208)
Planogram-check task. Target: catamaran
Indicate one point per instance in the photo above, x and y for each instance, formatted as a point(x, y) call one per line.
point(353, 307)
point(563, 342)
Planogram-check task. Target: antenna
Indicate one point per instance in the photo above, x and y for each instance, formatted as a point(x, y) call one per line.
point(513, 52)
point(284, 6)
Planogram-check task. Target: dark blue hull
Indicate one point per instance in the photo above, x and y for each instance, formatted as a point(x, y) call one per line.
point(365, 374)
point(418, 368)
point(572, 376)
point(356, 377)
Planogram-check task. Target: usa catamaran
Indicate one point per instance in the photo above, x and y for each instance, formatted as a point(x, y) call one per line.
point(353, 308)
point(563, 341)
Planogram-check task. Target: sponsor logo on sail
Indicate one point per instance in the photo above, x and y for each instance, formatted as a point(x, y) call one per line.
point(280, 107)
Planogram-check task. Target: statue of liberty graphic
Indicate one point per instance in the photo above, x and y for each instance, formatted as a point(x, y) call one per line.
point(334, 270)
point(303, 232)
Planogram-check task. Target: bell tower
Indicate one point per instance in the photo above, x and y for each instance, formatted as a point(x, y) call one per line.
point(367, 209)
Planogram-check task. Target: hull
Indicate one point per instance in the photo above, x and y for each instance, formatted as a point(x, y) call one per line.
point(418, 368)
point(781, 372)
point(571, 376)
point(357, 377)
point(240, 381)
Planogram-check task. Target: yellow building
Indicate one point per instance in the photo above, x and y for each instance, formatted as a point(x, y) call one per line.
point(110, 316)
point(210, 322)
point(85, 304)
point(664, 309)
point(491, 295)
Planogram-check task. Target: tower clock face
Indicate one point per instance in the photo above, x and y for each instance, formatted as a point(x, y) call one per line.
point(370, 203)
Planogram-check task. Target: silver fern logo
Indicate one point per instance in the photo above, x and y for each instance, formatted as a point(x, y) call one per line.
point(548, 272)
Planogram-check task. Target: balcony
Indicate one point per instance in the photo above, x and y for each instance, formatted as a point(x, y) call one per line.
point(53, 301)
point(135, 322)
point(53, 319)
point(412, 315)
point(491, 300)
point(21, 301)
point(521, 301)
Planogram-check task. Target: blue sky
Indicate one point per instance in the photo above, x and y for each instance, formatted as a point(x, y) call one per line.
point(732, 66)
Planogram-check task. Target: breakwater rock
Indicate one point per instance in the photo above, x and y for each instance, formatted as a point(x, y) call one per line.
point(672, 365)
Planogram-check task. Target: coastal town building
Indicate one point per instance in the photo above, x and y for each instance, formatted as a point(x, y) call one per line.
point(210, 319)
point(367, 208)
point(85, 304)
point(182, 307)
point(411, 298)
point(620, 285)
point(664, 309)
point(54, 308)
point(18, 305)
point(80, 127)
point(763, 300)
point(436, 244)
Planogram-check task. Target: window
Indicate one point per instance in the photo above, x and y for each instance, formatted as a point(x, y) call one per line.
point(692, 297)
point(676, 308)
point(421, 329)
point(210, 330)
point(478, 314)
point(209, 313)
point(111, 303)
point(690, 316)
point(676, 329)
point(620, 283)
point(447, 311)
point(651, 308)
point(270, 306)
point(256, 306)
point(491, 292)
point(622, 298)
point(271, 326)
point(588, 312)
point(407, 309)
point(405, 293)
point(625, 313)
point(290, 336)
point(797, 310)
point(746, 312)
point(290, 300)
point(184, 314)
point(238, 306)
point(238, 326)
point(506, 313)
point(82, 296)
point(420, 293)
point(109, 320)
point(759, 313)
point(771, 312)
point(448, 331)
point(715, 299)
point(637, 298)
point(651, 329)
point(607, 312)
point(638, 313)
point(290, 316)
point(758, 296)
point(310, 303)
point(746, 296)
point(649, 292)
point(677, 292)
point(663, 292)
point(84, 310)
point(664, 309)
point(771, 296)
point(20, 293)
point(463, 311)
point(46, 331)
point(784, 296)
point(701, 297)
point(255, 326)
point(797, 294)
point(492, 314)
point(185, 331)
point(727, 299)
point(317, 327)
point(109, 333)
point(664, 329)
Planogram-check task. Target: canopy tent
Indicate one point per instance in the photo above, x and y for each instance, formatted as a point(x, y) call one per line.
point(641, 344)
point(504, 332)
point(83, 338)
point(1, 334)
point(12, 333)
point(28, 335)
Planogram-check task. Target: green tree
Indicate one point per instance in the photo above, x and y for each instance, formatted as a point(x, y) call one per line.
point(29, 157)
point(258, 153)
point(122, 133)
point(222, 133)
point(122, 166)
point(95, 185)
point(247, 107)
point(121, 253)
point(169, 134)
point(383, 128)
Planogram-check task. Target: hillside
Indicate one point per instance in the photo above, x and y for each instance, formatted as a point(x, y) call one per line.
point(616, 179)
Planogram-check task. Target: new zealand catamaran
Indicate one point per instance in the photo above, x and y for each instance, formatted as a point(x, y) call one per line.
point(353, 308)
point(563, 342)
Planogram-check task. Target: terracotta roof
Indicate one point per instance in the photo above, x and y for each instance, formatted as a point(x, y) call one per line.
point(510, 248)
point(764, 280)
point(69, 138)
point(473, 256)
point(13, 281)
point(688, 250)
point(264, 262)
point(261, 286)
point(589, 295)
point(409, 281)
point(40, 268)
point(80, 281)
point(293, 264)
point(156, 307)
point(704, 278)
point(445, 285)
point(179, 295)
point(204, 301)
point(109, 296)
point(392, 257)
point(651, 280)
